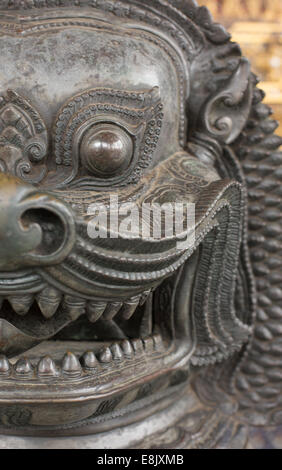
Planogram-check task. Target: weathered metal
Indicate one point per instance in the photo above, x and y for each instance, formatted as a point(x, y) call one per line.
point(127, 339)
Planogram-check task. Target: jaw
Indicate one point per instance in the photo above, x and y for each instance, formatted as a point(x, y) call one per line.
point(92, 368)
point(100, 355)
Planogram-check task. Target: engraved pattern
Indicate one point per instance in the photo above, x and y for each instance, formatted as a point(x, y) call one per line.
point(246, 388)
point(142, 111)
point(23, 138)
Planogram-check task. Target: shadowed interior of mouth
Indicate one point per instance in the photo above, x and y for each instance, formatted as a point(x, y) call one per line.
point(72, 336)
point(46, 313)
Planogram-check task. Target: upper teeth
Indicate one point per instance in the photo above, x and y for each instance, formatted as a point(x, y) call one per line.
point(21, 304)
point(95, 310)
point(111, 310)
point(74, 306)
point(50, 299)
point(129, 307)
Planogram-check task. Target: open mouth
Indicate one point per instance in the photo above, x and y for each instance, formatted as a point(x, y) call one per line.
point(93, 336)
point(87, 358)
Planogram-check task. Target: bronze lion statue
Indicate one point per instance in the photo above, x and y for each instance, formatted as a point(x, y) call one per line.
point(125, 340)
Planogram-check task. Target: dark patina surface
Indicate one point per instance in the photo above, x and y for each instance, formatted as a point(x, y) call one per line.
point(124, 341)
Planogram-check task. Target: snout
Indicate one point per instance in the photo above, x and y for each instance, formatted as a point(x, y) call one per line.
point(127, 242)
point(36, 229)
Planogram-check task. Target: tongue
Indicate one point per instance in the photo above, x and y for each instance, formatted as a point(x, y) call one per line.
point(19, 334)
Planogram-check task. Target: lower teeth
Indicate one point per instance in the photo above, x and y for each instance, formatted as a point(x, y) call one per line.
point(74, 364)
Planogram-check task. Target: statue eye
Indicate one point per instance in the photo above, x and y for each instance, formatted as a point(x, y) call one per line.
point(105, 137)
point(106, 150)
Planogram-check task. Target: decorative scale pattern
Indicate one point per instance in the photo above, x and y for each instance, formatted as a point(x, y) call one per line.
point(260, 380)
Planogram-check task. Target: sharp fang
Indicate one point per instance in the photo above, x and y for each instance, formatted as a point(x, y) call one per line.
point(71, 365)
point(89, 360)
point(48, 301)
point(95, 310)
point(116, 352)
point(23, 367)
point(4, 365)
point(144, 297)
point(129, 307)
point(111, 310)
point(46, 367)
point(127, 348)
point(74, 306)
point(105, 356)
point(21, 304)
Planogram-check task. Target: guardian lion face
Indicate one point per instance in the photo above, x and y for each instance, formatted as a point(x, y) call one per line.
point(99, 102)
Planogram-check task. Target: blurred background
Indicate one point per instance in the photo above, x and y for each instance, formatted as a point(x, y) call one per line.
point(257, 26)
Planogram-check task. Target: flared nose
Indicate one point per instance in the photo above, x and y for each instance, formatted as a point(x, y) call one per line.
point(36, 229)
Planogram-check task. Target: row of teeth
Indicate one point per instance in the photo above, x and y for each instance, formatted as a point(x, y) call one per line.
point(72, 366)
point(50, 299)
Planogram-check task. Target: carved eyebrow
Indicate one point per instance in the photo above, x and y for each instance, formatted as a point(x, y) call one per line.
point(136, 99)
point(91, 103)
point(23, 130)
point(132, 110)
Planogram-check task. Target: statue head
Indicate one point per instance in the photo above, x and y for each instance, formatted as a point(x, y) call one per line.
point(112, 112)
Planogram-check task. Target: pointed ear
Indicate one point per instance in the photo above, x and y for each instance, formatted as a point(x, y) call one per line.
point(226, 113)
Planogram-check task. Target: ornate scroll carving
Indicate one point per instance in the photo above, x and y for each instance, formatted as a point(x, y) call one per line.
point(23, 138)
point(226, 113)
point(139, 114)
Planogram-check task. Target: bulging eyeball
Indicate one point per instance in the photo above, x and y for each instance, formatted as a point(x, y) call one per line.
point(106, 150)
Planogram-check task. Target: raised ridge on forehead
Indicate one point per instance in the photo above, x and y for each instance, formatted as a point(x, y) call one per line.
point(91, 57)
point(19, 4)
point(185, 15)
point(157, 14)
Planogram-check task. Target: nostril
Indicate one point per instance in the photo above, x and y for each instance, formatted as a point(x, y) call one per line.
point(52, 227)
point(36, 228)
